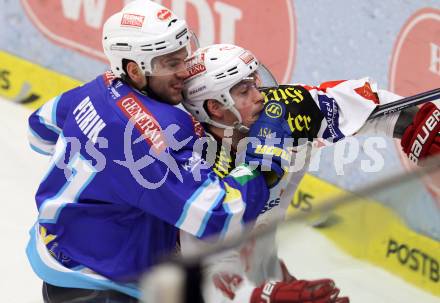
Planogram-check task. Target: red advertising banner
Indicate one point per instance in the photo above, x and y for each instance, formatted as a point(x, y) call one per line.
point(415, 67)
point(267, 28)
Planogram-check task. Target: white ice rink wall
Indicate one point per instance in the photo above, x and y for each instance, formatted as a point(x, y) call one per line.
point(47, 47)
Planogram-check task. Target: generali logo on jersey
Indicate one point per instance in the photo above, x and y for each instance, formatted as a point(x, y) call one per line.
point(415, 67)
point(144, 121)
point(77, 24)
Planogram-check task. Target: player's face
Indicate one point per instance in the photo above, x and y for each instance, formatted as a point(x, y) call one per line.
point(169, 71)
point(248, 100)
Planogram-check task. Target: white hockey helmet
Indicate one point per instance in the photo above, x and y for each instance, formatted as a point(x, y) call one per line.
point(214, 70)
point(142, 31)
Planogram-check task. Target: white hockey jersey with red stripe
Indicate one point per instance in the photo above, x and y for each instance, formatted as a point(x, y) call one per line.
point(330, 111)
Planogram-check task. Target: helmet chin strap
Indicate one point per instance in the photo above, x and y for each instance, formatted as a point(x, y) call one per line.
point(238, 125)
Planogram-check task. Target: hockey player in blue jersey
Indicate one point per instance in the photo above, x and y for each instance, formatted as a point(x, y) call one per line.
point(123, 176)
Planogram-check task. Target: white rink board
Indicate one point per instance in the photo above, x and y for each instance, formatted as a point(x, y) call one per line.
point(309, 254)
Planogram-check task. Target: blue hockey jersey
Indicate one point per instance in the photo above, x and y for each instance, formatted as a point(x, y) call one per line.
point(125, 174)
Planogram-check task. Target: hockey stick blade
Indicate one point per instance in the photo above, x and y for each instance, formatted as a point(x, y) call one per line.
point(389, 108)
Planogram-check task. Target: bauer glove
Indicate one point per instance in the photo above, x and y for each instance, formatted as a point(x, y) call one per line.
point(298, 291)
point(421, 138)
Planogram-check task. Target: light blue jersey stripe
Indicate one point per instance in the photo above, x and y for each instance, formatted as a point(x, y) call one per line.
point(55, 201)
point(71, 278)
point(198, 209)
point(228, 219)
point(54, 111)
point(188, 203)
point(208, 215)
point(35, 134)
point(49, 127)
point(47, 115)
point(40, 151)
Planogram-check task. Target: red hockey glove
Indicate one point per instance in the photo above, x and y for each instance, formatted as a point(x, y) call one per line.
point(299, 291)
point(421, 138)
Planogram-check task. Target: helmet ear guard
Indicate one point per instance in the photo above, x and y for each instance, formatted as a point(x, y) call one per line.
point(142, 31)
point(213, 71)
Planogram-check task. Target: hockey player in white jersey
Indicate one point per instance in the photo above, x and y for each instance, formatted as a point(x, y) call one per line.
point(221, 92)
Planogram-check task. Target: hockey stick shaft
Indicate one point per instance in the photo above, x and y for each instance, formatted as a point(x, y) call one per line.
point(389, 108)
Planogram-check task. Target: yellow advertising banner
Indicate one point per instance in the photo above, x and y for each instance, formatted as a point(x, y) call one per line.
point(30, 84)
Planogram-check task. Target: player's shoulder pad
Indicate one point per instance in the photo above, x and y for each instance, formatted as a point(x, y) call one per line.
point(186, 123)
point(87, 88)
point(72, 97)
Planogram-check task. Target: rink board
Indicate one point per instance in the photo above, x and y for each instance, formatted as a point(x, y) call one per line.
point(369, 230)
